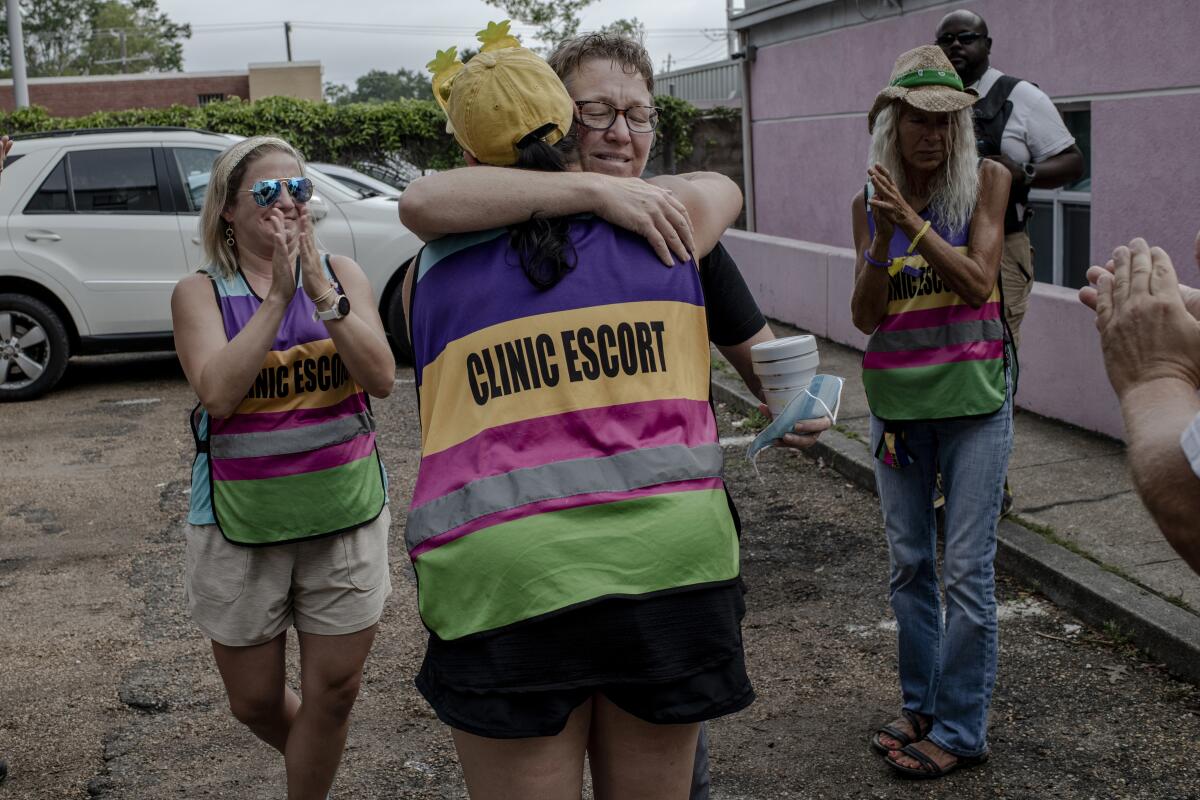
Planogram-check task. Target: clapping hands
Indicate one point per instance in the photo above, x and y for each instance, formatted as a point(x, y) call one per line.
point(889, 205)
point(1147, 320)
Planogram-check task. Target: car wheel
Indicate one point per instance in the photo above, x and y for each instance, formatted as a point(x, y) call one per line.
point(397, 325)
point(33, 347)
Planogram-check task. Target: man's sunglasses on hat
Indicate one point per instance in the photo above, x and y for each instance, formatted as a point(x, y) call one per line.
point(266, 192)
point(600, 116)
point(964, 38)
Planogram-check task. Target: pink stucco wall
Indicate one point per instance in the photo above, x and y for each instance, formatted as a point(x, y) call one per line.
point(1152, 191)
point(809, 99)
point(1062, 372)
point(819, 166)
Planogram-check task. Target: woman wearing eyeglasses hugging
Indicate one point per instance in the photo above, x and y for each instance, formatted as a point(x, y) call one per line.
point(288, 524)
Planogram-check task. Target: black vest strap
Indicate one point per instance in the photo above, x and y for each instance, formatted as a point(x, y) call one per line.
point(991, 114)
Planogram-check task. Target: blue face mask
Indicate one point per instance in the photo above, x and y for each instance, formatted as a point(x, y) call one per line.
point(822, 398)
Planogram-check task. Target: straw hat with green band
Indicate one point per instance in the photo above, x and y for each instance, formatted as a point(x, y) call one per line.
point(925, 79)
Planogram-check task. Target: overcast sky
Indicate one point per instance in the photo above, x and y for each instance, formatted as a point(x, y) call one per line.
point(225, 36)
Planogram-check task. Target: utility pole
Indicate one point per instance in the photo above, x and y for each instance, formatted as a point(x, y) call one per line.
point(668, 62)
point(124, 54)
point(287, 35)
point(16, 42)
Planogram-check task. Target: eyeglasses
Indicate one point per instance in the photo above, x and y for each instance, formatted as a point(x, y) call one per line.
point(964, 38)
point(266, 192)
point(600, 116)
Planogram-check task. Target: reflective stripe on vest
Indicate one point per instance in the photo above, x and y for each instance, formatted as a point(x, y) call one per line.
point(933, 356)
point(296, 459)
point(569, 452)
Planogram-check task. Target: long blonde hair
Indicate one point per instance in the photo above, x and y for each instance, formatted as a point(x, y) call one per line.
point(956, 186)
point(227, 172)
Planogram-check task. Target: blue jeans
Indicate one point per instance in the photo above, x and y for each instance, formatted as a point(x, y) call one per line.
point(947, 663)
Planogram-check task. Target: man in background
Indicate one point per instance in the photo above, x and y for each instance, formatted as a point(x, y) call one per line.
point(1017, 125)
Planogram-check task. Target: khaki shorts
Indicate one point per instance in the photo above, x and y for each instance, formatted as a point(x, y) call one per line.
point(242, 596)
point(1016, 279)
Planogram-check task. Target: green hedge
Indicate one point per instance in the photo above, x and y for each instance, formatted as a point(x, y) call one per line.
point(415, 130)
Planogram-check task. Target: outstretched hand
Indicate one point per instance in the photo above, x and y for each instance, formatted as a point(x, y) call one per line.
point(1088, 294)
point(1146, 331)
point(653, 213)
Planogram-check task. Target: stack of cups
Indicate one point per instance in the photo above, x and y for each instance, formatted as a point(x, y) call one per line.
point(785, 367)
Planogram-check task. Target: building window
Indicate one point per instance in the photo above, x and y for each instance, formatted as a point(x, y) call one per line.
point(205, 99)
point(1060, 227)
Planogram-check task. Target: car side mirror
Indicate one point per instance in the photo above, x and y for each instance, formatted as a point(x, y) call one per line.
point(317, 209)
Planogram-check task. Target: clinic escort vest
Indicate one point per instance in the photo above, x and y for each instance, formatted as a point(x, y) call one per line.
point(297, 459)
point(568, 449)
point(933, 356)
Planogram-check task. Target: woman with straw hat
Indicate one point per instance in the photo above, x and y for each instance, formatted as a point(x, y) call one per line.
point(928, 229)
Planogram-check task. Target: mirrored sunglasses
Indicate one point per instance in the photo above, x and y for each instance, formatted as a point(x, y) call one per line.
point(266, 192)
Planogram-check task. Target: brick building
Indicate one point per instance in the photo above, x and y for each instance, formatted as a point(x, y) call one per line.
point(80, 95)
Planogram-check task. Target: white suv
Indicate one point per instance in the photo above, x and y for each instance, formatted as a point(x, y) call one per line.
point(102, 223)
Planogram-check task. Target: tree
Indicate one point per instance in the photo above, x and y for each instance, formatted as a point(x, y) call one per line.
point(379, 86)
point(133, 36)
point(558, 21)
point(555, 20)
point(96, 37)
point(633, 28)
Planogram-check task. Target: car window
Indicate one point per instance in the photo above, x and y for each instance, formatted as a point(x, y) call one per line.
point(195, 165)
point(51, 196)
point(114, 181)
point(360, 188)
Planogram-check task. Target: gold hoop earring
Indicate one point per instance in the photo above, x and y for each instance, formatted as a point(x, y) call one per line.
point(229, 235)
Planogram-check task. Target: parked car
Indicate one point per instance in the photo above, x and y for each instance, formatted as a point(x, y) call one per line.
point(101, 224)
point(364, 184)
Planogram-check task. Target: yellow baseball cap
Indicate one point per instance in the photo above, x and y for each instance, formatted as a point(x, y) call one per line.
point(501, 96)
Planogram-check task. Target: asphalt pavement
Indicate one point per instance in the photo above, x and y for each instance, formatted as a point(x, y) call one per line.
point(1078, 531)
point(108, 691)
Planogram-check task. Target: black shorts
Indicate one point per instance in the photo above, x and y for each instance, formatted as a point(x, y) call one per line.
point(675, 657)
point(499, 714)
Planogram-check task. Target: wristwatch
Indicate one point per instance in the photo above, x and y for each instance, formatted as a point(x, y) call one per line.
point(1030, 172)
point(339, 309)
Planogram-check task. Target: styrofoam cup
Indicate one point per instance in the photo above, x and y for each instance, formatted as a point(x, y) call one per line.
point(787, 373)
point(783, 349)
point(778, 399)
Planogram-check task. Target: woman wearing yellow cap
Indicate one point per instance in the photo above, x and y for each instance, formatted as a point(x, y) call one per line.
point(575, 550)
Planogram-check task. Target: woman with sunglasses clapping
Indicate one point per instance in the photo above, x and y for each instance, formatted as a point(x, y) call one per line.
point(288, 524)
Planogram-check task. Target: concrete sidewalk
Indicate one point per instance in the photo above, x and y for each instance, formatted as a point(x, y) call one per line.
point(1079, 533)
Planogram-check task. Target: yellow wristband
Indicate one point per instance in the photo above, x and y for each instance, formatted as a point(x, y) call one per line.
point(917, 238)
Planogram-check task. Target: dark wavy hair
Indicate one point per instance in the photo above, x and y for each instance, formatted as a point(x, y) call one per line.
point(542, 243)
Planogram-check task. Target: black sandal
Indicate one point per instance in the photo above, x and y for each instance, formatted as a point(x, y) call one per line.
point(928, 767)
point(914, 719)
